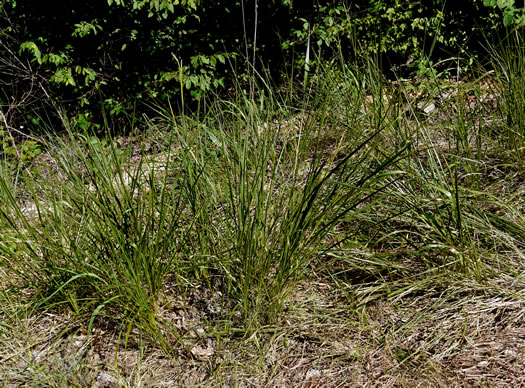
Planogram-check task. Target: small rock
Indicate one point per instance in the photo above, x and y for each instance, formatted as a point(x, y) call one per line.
point(201, 353)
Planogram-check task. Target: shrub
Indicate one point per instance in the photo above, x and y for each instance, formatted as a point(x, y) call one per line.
point(111, 55)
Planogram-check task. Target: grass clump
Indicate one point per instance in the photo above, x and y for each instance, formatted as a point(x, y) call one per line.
point(254, 198)
point(100, 234)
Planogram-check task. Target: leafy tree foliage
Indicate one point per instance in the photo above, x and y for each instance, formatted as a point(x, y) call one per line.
point(112, 54)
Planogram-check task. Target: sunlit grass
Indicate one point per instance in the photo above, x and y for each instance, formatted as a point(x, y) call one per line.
point(353, 184)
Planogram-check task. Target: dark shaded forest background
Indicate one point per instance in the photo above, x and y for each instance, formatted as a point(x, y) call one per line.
point(111, 59)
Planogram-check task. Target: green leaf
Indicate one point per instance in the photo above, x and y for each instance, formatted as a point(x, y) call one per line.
point(508, 19)
point(33, 48)
point(505, 3)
